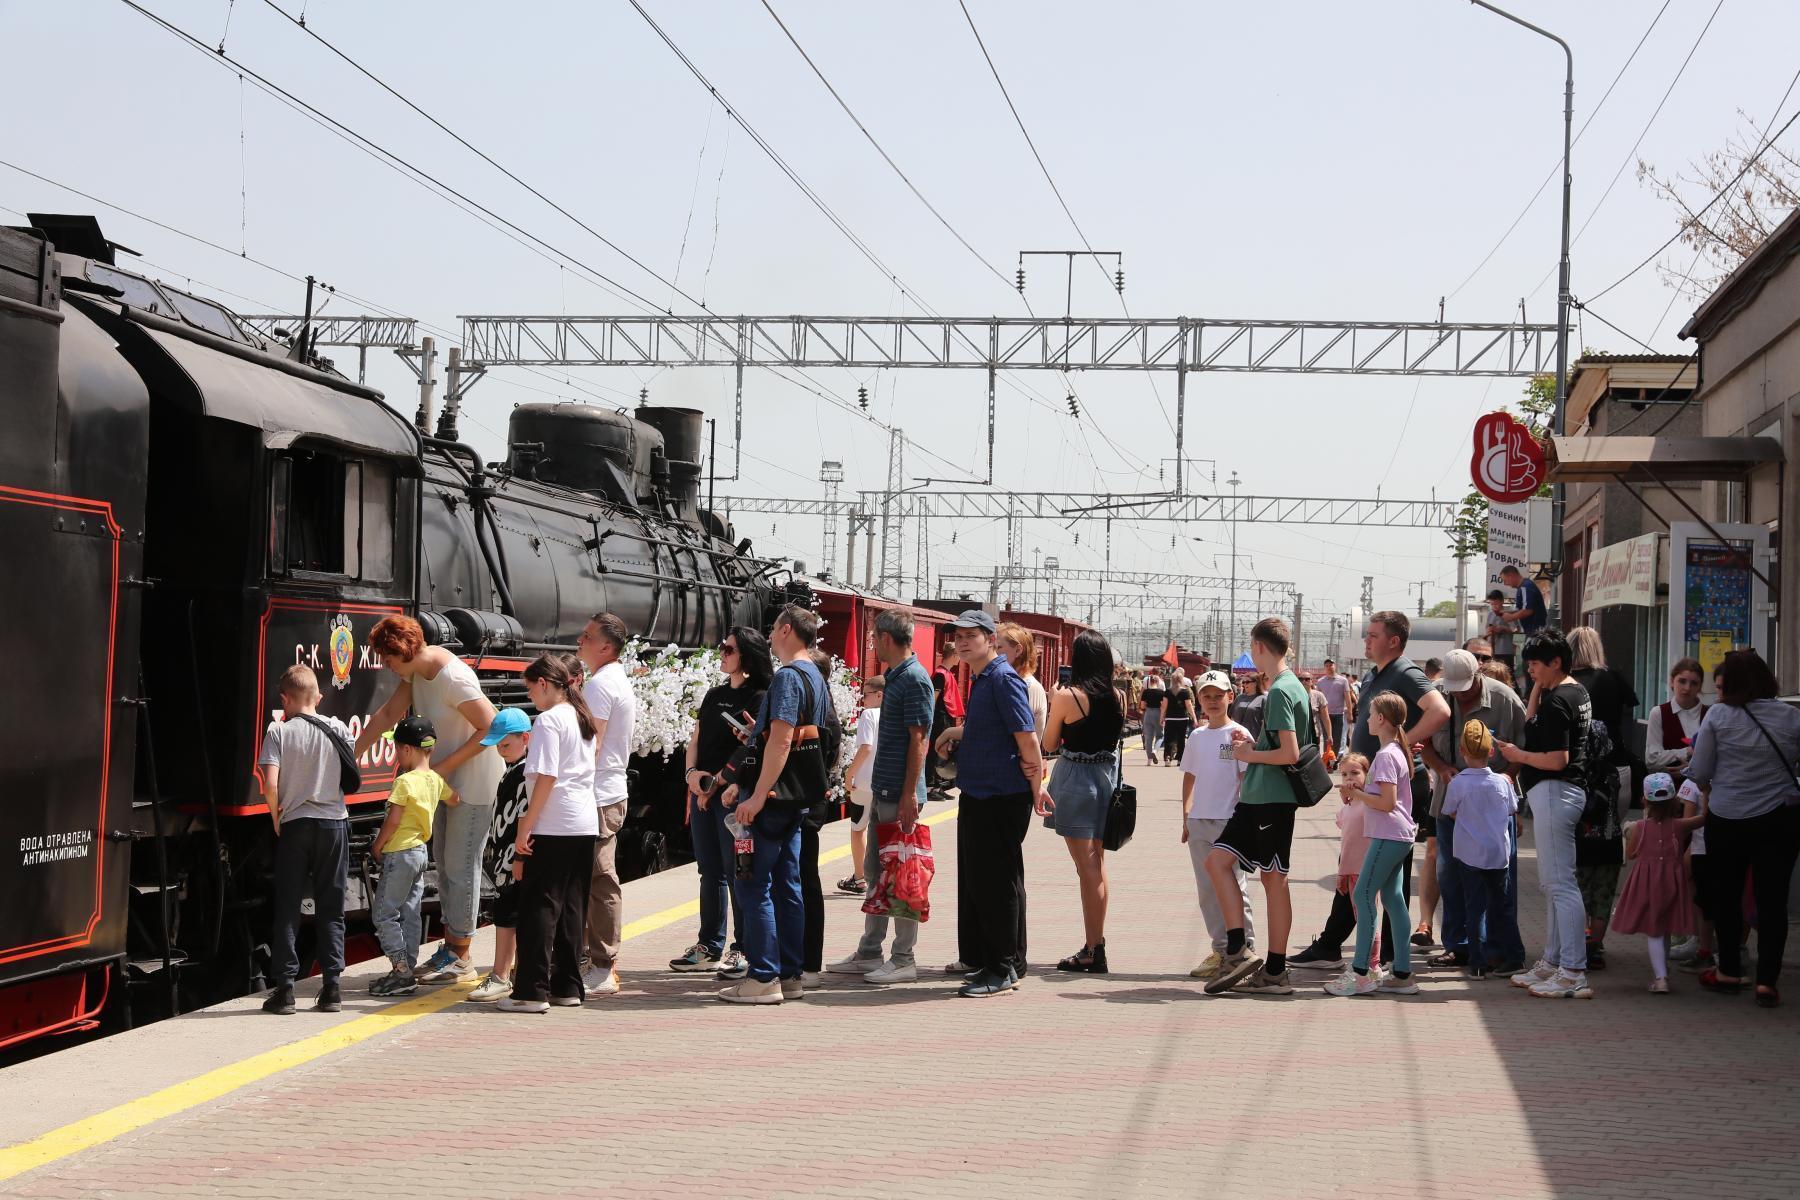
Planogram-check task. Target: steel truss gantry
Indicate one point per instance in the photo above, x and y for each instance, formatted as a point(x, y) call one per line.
point(1142, 579)
point(361, 330)
point(1156, 506)
point(1014, 344)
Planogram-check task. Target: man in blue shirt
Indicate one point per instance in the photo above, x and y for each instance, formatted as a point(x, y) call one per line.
point(998, 766)
point(897, 788)
point(774, 910)
point(1532, 613)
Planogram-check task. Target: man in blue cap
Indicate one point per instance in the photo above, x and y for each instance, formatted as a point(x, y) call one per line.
point(510, 734)
point(999, 765)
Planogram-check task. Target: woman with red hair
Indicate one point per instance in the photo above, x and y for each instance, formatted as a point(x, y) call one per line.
point(444, 690)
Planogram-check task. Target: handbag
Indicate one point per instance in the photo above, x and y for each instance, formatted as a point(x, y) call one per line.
point(1307, 776)
point(1121, 810)
point(1773, 745)
point(805, 776)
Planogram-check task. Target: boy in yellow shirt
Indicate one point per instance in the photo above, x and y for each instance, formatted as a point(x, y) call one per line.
point(418, 790)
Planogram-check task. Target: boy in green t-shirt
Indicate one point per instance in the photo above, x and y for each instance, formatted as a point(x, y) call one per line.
point(1260, 834)
point(418, 790)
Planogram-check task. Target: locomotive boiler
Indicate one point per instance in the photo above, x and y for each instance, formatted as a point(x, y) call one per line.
point(186, 508)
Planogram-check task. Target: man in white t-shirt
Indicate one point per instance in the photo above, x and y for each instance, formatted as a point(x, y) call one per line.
point(860, 772)
point(1210, 778)
point(614, 706)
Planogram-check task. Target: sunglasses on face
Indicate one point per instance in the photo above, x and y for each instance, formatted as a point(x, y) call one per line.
point(728, 648)
point(1481, 658)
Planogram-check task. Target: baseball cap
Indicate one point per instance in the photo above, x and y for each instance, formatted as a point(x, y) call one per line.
point(1460, 670)
point(507, 722)
point(1659, 786)
point(1214, 679)
point(974, 618)
point(413, 731)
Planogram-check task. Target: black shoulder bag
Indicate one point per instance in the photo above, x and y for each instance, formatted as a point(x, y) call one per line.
point(1307, 776)
point(805, 776)
point(349, 777)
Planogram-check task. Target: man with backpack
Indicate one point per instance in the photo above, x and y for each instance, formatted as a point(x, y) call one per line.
point(792, 761)
point(306, 768)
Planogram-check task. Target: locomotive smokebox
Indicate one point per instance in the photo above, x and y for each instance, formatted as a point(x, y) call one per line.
point(681, 429)
point(584, 447)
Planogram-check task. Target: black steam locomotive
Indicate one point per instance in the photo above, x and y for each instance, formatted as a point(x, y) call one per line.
point(186, 508)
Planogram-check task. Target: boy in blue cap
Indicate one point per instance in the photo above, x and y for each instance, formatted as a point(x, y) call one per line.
point(510, 734)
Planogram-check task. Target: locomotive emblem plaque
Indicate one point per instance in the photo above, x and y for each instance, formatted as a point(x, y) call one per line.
point(343, 651)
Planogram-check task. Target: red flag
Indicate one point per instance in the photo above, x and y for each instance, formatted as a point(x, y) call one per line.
point(1170, 656)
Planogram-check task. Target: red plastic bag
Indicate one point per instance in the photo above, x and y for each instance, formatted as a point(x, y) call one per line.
point(907, 866)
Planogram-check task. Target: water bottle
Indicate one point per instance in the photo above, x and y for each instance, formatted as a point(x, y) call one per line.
point(743, 846)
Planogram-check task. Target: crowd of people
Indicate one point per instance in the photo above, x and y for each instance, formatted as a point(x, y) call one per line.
point(1450, 756)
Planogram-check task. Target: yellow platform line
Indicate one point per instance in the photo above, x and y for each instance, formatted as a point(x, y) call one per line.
point(121, 1119)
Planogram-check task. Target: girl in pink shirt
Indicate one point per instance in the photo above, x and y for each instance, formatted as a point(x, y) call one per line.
point(1388, 824)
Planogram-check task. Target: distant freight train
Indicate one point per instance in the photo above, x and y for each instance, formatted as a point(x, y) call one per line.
point(186, 508)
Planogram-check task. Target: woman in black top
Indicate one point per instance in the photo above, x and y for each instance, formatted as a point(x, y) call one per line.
point(1553, 759)
point(1087, 719)
point(744, 657)
point(1178, 719)
point(1153, 714)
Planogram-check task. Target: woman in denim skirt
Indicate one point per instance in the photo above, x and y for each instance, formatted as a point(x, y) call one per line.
point(1086, 720)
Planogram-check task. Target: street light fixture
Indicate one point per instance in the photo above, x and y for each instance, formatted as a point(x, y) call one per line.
point(1562, 289)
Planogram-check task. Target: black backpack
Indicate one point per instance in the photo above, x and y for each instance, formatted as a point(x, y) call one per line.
point(1600, 780)
point(349, 776)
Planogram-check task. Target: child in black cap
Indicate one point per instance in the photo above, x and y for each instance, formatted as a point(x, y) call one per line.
point(418, 790)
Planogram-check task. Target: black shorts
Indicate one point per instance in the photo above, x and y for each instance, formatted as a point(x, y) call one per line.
point(506, 905)
point(1427, 826)
point(1260, 835)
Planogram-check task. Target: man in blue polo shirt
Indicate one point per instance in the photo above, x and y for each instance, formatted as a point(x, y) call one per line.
point(1530, 613)
point(998, 765)
point(897, 789)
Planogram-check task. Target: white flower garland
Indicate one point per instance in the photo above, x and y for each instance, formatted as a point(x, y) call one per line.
point(669, 686)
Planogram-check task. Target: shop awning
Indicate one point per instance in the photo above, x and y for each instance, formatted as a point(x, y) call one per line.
point(1664, 459)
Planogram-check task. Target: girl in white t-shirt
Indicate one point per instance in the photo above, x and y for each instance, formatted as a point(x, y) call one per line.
point(553, 856)
point(860, 772)
point(1388, 823)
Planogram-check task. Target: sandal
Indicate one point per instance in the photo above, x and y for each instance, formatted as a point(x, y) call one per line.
point(1768, 998)
point(1086, 961)
point(1709, 979)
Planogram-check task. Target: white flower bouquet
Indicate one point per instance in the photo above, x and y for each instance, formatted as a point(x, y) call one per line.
point(669, 686)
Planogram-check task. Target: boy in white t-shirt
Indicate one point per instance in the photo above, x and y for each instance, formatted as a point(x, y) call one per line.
point(1210, 778)
point(860, 771)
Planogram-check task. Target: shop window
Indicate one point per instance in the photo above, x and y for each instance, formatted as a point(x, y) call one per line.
point(331, 516)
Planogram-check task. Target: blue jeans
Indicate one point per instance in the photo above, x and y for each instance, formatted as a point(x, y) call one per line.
point(461, 836)
point(1555, 815)
point(1337, 733)
point(716, 857)
point(1381, 871)
point(1484, 900)
point(774, 910)
point(1453, 933)
point(397, 904)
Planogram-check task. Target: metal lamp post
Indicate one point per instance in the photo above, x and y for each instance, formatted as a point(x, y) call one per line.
point(1562, 287)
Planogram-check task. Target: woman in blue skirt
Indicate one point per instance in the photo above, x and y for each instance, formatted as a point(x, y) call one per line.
point(1086, 720)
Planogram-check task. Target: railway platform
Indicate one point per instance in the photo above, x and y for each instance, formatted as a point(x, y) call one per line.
point(1133, 1084)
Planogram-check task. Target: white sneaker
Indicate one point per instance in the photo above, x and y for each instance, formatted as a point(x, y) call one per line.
point(853, 966)
point(1352, 984)
point(513, 1004)
point(749, 991)
point(565, 1002)
point(1536, 975)
point(811, 979)
point(490, 989)
point(600, 983)
point(454, 971)
point(1564, 986)
point(793, 989)
point(892, 972)
point(1684, 951)
point(734, 965)
point(1393, 985)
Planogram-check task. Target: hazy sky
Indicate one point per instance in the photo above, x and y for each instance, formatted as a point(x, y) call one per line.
point(1324, 160)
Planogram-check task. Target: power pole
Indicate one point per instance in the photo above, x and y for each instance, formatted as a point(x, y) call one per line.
point(427, 383)
point(893, 539)
point(831, 473)
point(1231, 629)
point(1299, 641)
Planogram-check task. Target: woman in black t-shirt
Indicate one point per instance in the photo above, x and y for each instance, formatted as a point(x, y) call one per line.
point(1153, 714)
point(744, 656)
point(1552, 759)
point(1178, 719)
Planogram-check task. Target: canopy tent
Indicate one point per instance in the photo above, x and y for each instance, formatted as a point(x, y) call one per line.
point(1244, 665)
